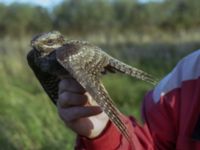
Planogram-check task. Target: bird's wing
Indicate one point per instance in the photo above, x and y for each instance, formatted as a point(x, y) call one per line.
point(49, 82)
point(95, 88)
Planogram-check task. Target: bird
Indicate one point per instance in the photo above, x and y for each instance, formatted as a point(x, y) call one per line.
point(52, 58)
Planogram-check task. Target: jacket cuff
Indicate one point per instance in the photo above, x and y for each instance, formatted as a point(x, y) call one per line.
point(109, 139)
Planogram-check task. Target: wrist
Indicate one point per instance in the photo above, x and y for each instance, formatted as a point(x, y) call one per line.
point(108, 137)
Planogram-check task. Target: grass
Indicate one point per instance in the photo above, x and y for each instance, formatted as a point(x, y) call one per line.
point(29, 120)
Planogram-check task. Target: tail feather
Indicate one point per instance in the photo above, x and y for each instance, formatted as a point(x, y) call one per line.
point(134, 72)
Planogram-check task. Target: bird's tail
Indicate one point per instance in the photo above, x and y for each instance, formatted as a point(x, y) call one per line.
point(132, 71)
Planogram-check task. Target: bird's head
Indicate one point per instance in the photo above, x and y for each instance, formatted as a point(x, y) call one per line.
point(45, 43)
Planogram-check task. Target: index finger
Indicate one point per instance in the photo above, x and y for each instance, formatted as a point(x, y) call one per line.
point(70, 85)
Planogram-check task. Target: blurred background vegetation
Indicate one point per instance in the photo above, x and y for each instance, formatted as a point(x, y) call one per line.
point(152, 36)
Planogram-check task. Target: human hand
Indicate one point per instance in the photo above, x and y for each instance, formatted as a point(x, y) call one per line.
point(78, 110)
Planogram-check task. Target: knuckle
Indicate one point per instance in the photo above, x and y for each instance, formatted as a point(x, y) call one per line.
point(64, 99)
point(63, 84)
point(63, 96)
point(64, 116)
point(68, 118)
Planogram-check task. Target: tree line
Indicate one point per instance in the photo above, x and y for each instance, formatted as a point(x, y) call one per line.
point(78, 16)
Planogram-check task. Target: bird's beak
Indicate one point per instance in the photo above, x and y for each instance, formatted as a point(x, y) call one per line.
point(32, 43)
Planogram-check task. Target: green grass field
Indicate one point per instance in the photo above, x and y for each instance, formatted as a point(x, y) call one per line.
point(29, 120)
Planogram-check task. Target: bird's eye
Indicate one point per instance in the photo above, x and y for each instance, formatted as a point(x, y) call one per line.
point(50, 41)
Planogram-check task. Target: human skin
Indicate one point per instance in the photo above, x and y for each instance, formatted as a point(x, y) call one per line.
point(78, 111)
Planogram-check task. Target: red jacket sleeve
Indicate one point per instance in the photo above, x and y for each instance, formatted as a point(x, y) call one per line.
point(171, 110)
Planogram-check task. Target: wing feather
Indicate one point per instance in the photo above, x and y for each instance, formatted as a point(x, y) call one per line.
point(49, 82)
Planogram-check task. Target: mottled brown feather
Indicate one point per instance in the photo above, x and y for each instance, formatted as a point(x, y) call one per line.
point(88, 75)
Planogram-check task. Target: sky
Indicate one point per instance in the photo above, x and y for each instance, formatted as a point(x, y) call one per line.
point(49, 3)
point(44, 3)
